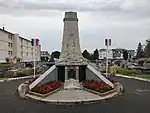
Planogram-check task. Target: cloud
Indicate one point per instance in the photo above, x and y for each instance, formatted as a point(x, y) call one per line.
point(122, 20)
point(123, 10)
point(120, 6)
point(61, 5)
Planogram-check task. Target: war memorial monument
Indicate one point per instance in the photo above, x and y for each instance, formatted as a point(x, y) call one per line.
point(72, 79)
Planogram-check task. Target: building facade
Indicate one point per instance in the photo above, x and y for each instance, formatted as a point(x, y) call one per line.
point(118, 53)
point(16, 48)
point(45, 56)
point(115, 53)
point(102, 54)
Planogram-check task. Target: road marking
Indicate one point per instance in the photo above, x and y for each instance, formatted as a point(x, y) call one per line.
point(143, 90)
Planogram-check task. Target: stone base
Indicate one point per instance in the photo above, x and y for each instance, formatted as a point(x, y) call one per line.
point(72, 84)
point(23, 89)
point(72, 96)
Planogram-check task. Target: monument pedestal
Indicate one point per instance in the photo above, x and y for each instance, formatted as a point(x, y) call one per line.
point(72, 84)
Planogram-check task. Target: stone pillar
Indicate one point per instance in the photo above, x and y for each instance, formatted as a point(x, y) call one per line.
point(66, 73)
point(77, 73)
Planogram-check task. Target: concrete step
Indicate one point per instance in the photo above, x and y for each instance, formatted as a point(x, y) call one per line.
point(72, 84)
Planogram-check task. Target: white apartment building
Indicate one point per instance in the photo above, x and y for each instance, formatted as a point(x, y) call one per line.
point(115, 53)
point(45, 56)
point(15, 47)
point(102, 54)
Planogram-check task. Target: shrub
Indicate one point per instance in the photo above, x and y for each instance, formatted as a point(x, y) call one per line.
point(46, 88)
point(23, 72)
point(124, 71)
point(98, 86)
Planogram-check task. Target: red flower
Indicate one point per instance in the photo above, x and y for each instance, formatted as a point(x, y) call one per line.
point(48, 87)
point(99, 86)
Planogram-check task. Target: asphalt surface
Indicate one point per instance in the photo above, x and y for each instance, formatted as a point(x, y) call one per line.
point(136, 99)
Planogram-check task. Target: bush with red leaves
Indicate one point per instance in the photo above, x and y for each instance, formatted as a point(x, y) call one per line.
point(46, 88)
point(98, 86)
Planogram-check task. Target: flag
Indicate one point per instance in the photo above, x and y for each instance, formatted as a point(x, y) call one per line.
point(35, 42)
point(108, 42)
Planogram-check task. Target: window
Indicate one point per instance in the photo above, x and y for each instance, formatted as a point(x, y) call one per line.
point(8, 44)
point(9, 52)
point(21, 46)
point(27, 53)
point(10, 36)
point(31, 49)
point(21, 53)
point(21, 40)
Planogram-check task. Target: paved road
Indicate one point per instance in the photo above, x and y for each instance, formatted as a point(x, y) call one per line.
point(136, 99)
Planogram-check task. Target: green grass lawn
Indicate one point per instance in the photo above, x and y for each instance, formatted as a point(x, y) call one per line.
point(3, 78)
point(145, 76)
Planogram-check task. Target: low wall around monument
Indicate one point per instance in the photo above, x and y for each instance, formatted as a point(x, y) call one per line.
point(91, 76)
point(49, 75)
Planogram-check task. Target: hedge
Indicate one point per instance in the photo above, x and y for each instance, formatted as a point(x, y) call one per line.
point(125, 71)
point(24, 72)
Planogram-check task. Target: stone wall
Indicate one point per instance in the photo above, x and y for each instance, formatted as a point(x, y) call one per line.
point(50, 77)
point(91, 76)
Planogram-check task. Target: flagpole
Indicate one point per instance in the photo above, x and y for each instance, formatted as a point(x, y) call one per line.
point(34, 61)
point(35, 44)
point(107, 61)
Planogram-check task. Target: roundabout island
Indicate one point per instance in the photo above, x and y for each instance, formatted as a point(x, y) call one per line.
point(72, 79)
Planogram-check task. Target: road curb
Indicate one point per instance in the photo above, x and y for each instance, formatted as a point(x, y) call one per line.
point(18, 78)
point(71, 102)
point(136, 78)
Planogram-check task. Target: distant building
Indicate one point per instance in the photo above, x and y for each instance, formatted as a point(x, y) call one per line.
point(115, 53)
point(102, 54)
point(15, 47)
point(118, 53)
point(45, 55)
point(132, 53)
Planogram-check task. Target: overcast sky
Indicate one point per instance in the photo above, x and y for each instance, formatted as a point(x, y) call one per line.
point(126, 22)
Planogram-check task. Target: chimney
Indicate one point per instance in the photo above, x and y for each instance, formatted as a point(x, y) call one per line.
point(3, 28)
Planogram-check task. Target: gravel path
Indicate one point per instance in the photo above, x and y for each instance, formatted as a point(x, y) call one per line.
point(136, 99)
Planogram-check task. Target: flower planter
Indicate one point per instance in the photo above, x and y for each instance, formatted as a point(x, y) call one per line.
point(46, 89)
point(43, 95)
point(97, 87)
point(98, 93)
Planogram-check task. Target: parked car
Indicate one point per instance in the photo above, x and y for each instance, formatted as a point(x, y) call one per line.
point(1, 74)
point(146, 64)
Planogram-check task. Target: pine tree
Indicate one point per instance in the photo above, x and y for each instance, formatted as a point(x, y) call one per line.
point(96, 54)
point(140, 51)
point(125, 55)
point(147, 48)
point(86, 54)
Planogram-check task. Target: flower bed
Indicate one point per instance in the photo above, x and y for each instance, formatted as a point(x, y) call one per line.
point(46, 88)
point(98, 86)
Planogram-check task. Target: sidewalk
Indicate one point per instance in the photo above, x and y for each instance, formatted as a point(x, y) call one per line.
point(17, 78)
point(136, 78)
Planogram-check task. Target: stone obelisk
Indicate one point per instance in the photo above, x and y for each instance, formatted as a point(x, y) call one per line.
point(71, 67)
point(71, 52)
